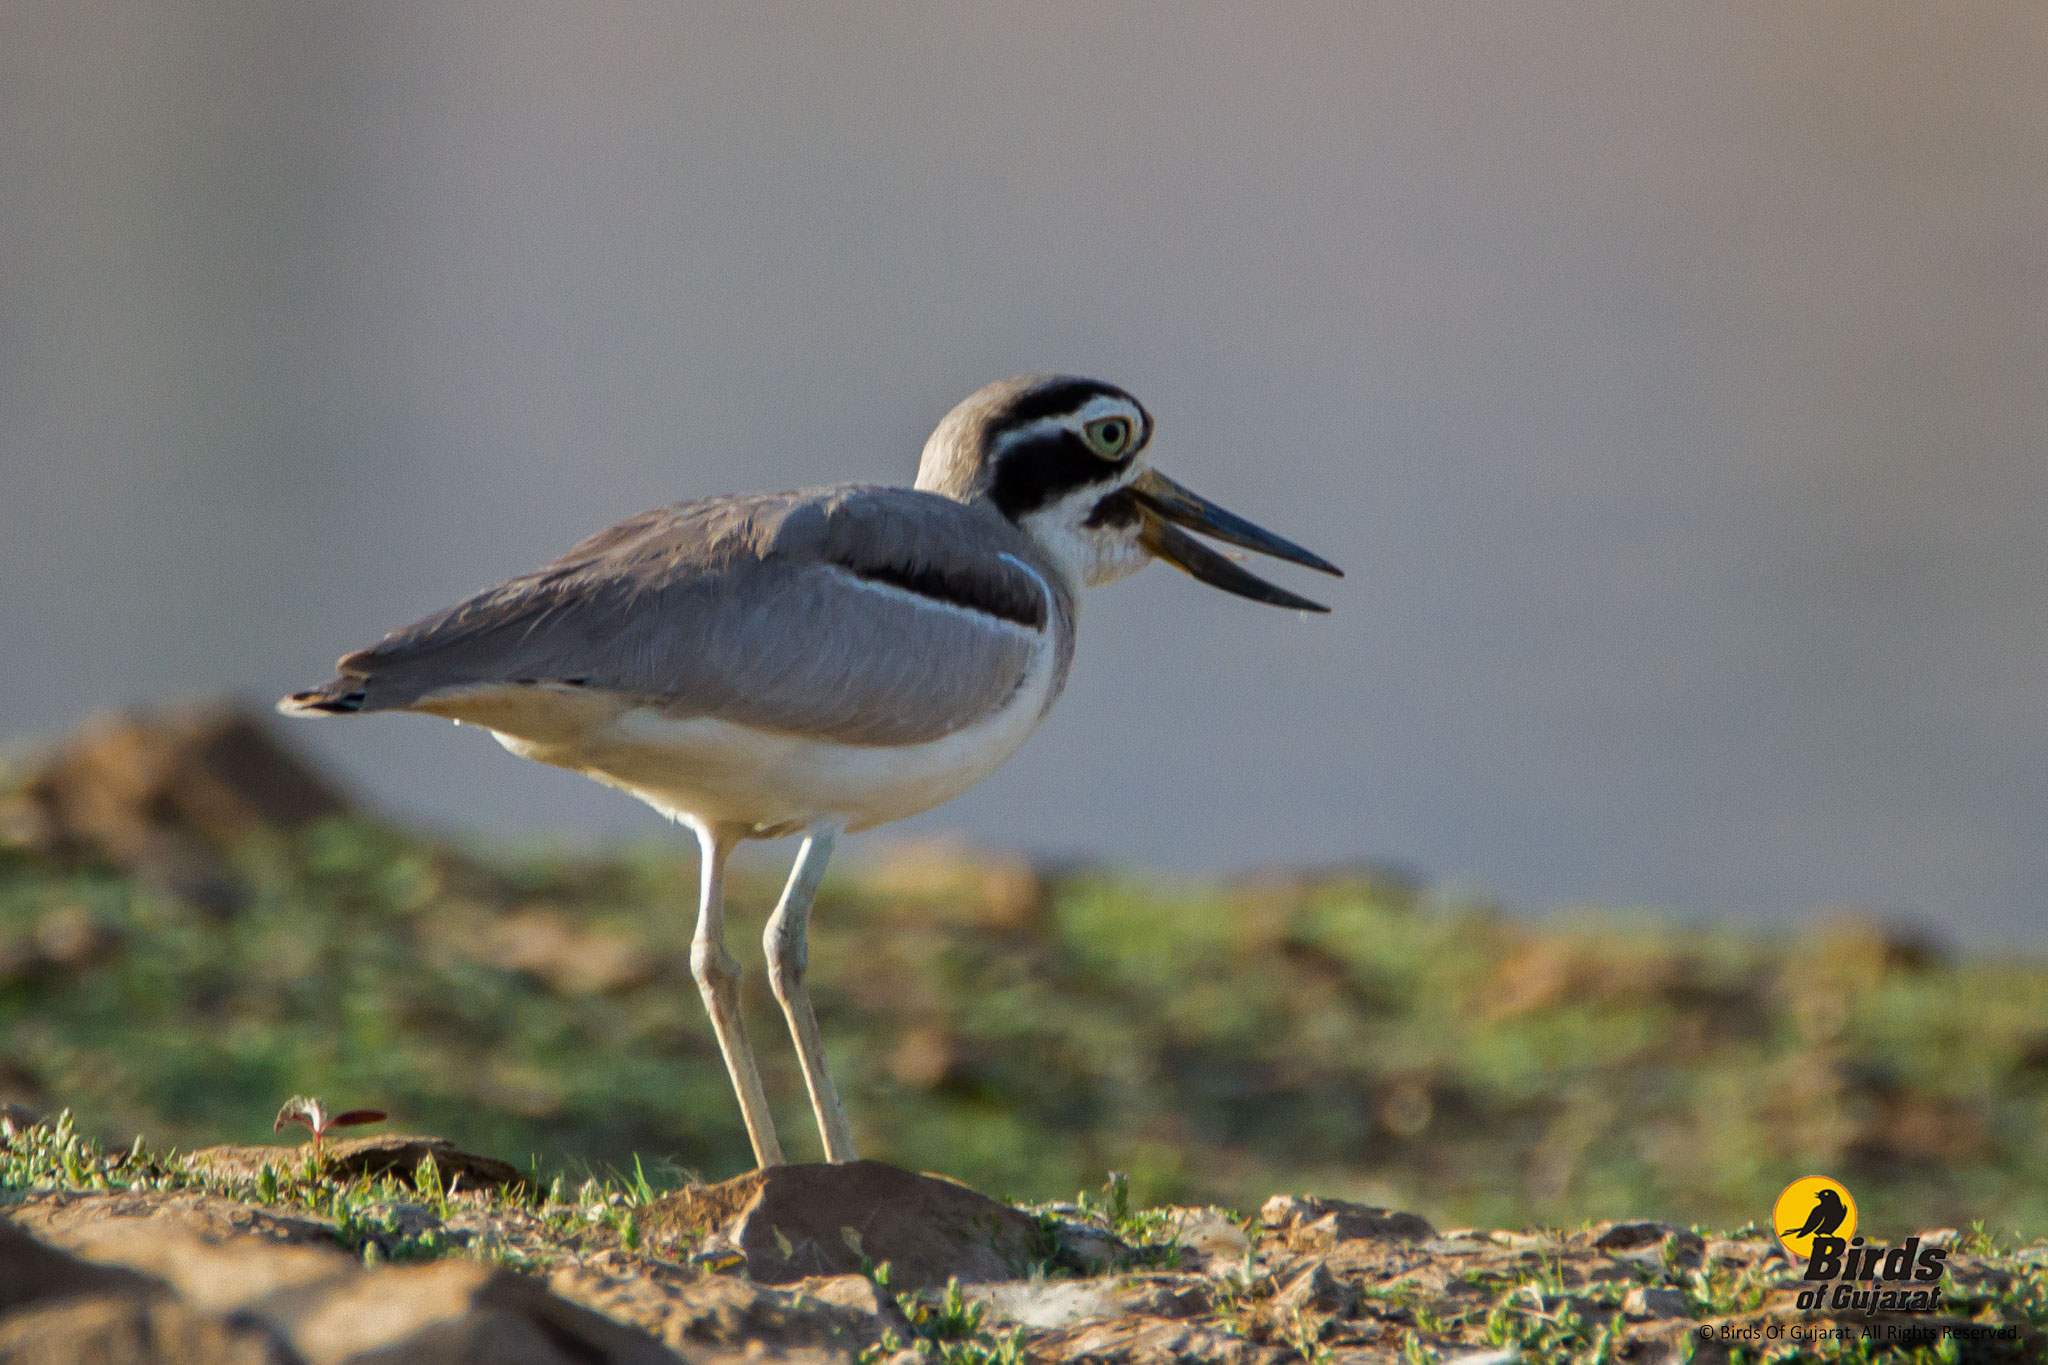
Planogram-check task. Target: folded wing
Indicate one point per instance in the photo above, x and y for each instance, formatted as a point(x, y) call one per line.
point(863, 615)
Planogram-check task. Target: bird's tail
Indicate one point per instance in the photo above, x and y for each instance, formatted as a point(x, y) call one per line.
point(341, 697)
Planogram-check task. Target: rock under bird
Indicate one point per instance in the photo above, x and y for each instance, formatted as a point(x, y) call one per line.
point(816, 662)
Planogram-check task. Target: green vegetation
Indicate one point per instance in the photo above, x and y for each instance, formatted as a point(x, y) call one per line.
point(361, 1212)
point(952, 1330)
point(1349, 1036)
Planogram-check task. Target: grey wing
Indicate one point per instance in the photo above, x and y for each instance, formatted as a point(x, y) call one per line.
point(867, 616)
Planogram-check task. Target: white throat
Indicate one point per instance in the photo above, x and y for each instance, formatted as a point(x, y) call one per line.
point(1087, 556)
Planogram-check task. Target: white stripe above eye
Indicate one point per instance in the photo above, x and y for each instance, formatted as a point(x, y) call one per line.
point(1094, 410)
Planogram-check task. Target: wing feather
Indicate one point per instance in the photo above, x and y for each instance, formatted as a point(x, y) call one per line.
point(864, 615)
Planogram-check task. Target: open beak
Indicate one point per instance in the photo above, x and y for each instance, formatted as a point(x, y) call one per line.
point(1166, 506)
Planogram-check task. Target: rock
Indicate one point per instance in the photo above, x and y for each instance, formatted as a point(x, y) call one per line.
point(31, 1272)
point(214, 1255)
point(396, 1154)
point(838, 1315)
point(1737, 1251)
point(77, 1221)
point(1088, 1249)
point(56, 1308)
point(1152, 1341)
point(1373, 1261)
point(794, 1222)
point(1316, 1290)
point(457, 1312)
point(1167, 1295)
point(858, 1293)
point(1310, 1223)
point(226, 1265)
point(1645, 1302)
point(1048, 1303)
point(1667, 1341)
point(112, 1329)
point(1464, 1243)
point(1645, 1240)
point(1212, 1234)
point(1359, 1224)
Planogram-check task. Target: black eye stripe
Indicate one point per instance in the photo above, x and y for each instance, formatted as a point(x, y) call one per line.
point(1039, 472)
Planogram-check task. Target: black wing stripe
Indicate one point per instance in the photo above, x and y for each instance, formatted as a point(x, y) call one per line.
point(1002, 597)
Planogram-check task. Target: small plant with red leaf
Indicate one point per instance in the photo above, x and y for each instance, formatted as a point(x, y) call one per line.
point(309, 1111)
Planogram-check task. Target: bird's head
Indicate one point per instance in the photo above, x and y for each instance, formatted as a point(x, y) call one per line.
point(1065, 459)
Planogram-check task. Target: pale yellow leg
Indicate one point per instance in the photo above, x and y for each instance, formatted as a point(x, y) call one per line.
point(787, 945)
point(718, 979)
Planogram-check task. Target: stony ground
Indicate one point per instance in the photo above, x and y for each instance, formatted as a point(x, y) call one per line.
point(396, 1250)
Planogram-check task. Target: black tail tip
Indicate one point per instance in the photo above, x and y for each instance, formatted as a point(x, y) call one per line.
point(322, 701)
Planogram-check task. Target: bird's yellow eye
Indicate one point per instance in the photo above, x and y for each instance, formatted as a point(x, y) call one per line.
point(1109, 436)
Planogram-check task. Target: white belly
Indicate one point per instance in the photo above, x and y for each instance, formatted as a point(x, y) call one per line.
point(707, 771)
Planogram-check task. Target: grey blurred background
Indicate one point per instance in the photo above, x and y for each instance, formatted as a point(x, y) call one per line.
point(1669, 378)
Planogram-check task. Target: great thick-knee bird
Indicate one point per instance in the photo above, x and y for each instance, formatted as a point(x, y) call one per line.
point(816, 662)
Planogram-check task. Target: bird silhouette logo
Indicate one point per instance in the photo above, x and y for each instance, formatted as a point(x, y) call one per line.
point(1813, 1206)
point(1828, 1213)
